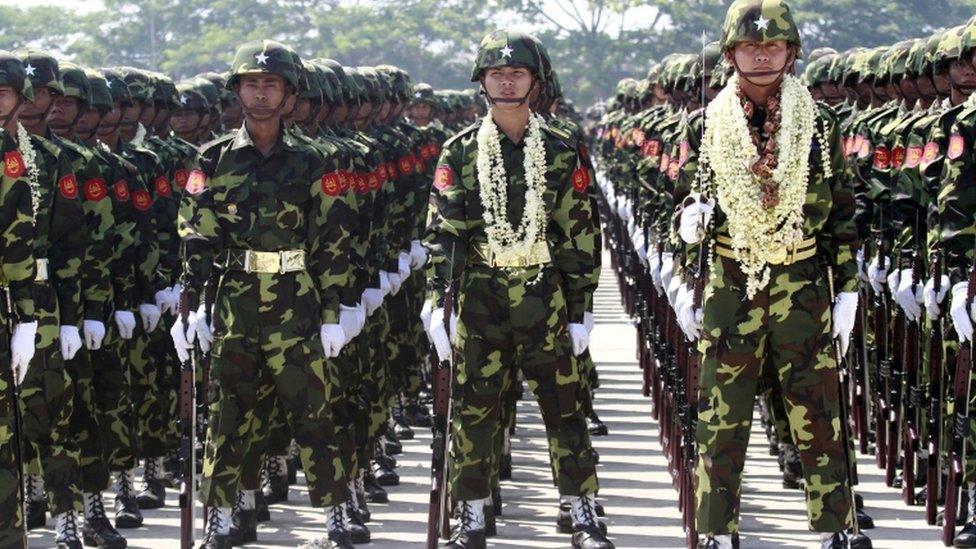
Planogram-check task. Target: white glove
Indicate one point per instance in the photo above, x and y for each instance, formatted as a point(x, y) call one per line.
point(22, 347)
point(70, 342)
point(125, 321)
point(932, 301)
point(164, 301)
point(959, 311)
point(403, 266)
point(909, 296)
point(333, 338)
point(667, 269)
point(580, 337)
point(695, 216)
point(893, 280)
point(689, 318)
point(861, 274)
point(385, 283)
point(425, 314)
point(94, 334)
point(655, 268)
point(150, 316)
point(672, 292)
point(640, 246)
point(203, 329)
point(395, 282)
point(372, 298)
point(589, 321)
point(352, 320)
point(183, 336)
point(418, 255)
point(622, 212)
point(844, 315)
point(438, 334)
point(878, 274)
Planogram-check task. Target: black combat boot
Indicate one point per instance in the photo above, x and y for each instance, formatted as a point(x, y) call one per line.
point(153, 494)
point(216, 535)
point(66, 531)
point(588, 531)
point(98, 531)
point(469, 532)
point(274, 483)
point(127, 513)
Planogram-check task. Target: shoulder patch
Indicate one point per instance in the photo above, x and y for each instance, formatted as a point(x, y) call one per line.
point(957, 145)
point(443, 178)
point(196, 182)
point(68, 186)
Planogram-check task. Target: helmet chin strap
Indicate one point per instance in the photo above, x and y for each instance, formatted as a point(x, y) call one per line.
point(967, 90)
point(760, 74)
point(249, 114)
point(504, 101)
point(13, 111)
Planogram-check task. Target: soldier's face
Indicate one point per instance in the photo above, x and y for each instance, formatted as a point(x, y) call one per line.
point(40, 105)
point(941, 82)
point(131, 114)
point(148, 114)
point(110, 122)
point(420, 111)
point(925, 87)
point(88, 121)
point(184, 121)
point(232, 116)
point(262, 95)
point(762, 62)
point(302, 111)
point(509, 84)
point(962, 75)
point(64, 110)
point(8, 100)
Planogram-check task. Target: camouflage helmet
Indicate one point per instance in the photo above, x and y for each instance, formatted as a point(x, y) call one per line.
point(191, 98)
point(916, 63)
point(375, 91)
point(139, 83)
point(42, 69)
point(165, 95)
point(816, 72)
point(75, 83)
point(626, 89)
point(265, 57)
point(209, 91)
point(339, 80)
point(820, 52)
point(227, 97)
point(399, 82)
point(711, 56)
point(329, 82)
point(12, 74)
point(424, 93)
point(357, 84)
point(897, 59)
point(950, 48)
point(760, 21)
point(101, 95)
point(116, 86)
point(508, 48)
point(313, 87)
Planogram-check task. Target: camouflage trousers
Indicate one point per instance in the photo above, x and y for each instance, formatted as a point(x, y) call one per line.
point(103, 421)
point(407, 342)
point(266, 338)
point(377, 382)
point(46, 401)
point(154, 373)
point(12, 533)
point(785, 327)
point(510, 321)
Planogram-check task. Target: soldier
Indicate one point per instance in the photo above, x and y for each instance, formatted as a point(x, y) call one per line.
point(511, 225)
point(259, 205)
point(18, 270)
point(775, 226)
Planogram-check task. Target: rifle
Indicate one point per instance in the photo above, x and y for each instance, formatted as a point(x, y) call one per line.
point(692, 367)
point(14, 396)
point(438, 507)
point(203, 394)
point(861, 392)
point(934, 420)
point(959, 402)
point(896, 371)
point(913, 396)
point(883, 366)
point(187, 417)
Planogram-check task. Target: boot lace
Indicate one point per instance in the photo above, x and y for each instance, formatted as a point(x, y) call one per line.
point(586, 513)
point(337, 520)
point(465, 521)
point(96, 509)
point(215, 522)
point(125, 486)
point(67, 527)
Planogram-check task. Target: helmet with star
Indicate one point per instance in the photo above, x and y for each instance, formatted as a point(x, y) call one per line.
point(265, 57)
point(508, 48)
point(192, 97)
point(42, 69)
point(760, 21)
point(13, 74)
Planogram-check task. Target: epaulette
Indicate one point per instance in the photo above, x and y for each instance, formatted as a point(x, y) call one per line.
point(219, 142)
point(470, 129)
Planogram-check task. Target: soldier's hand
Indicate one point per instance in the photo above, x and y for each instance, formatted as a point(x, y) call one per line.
point(403, 266)
point(425, 314)
point(149, 314)
point(22, 348)
point(959, 310)
point(182, 335)
point(94, 334)
point(418, 255)
point(333, 338)
point(164, 301)
point(844, 315)
point(579, 336)
point(203, 329)
point(372, 299)
point(877, 274)
point(933, 300)
point(125, 321)
point(352, 320)
point(909, 295)
point(667, 270)
point(695, 217)
point(439, 336)
point(395, 282)
point(70, 341)
point(385, 283)
point(589, 321)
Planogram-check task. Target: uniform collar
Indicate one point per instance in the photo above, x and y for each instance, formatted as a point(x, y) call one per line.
point(242, 139)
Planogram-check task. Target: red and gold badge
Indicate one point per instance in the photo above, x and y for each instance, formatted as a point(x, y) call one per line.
point(683, 153)
point(406, 165)
point(13, 164)
point(331, 185)
point(142, 200)
point(897, 158)
point(68, 186)
point(345, 180)
point(956, 147)
point(180, 178)
point(931, 153)
point(95, 189)
point(665, 163)
point(864, 149)
point(913, 157)
point(443, 178)
point(375, 179)
point(882, 158)
point(121, 190)
point(196, 182)
point(581, 179)
point(162, 186)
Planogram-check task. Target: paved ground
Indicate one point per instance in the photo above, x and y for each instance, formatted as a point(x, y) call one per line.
point(636, 488)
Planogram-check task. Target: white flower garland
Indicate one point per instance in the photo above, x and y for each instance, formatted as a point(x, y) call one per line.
point(504, 241)
point(759, 233)
point(29, 155)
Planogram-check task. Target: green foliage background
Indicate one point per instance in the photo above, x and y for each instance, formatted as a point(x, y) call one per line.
point(594, 43)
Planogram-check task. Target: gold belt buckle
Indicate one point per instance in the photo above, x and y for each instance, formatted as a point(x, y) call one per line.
point(292, 260)
point(42, 272)
point(777, 256)
point(261, 262)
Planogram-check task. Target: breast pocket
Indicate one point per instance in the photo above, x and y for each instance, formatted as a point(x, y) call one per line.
point(233, 207)
point(292, 200)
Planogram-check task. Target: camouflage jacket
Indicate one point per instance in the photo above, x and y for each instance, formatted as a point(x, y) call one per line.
point(17, 266)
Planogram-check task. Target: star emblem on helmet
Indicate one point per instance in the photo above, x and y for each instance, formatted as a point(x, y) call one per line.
point(29, 69)
point(262, 58)
point(109, 84)
point(506, 51)
point(182, 100)
point(762, 23)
